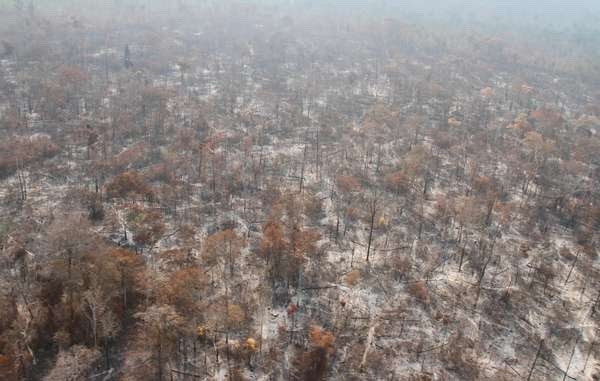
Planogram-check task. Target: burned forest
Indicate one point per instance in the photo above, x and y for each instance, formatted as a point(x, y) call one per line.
point(299, 190)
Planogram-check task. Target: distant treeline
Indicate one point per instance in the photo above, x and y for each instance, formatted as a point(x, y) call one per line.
point(558, 24)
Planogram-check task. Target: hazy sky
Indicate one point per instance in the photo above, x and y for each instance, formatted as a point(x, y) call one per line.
point(558, 13)
point(534, 14)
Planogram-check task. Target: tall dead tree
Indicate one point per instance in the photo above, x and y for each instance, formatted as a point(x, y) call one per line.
point(537, 355)
point(373, 207)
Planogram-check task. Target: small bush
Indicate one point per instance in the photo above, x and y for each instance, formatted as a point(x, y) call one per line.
point(419, 291)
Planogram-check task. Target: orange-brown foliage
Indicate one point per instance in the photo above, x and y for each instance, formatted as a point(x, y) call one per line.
point(127, 184)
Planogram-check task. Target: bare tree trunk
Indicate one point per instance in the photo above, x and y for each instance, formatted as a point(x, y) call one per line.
point(570, 360)
point(317, 158)
point(535, 360)
point(462, 255)
point(572, 266)
point(368, 344)
point(373, 212)
point(303, 166)
point(588, 355)
point(481, 280)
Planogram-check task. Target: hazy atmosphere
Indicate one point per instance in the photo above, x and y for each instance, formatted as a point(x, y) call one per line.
point(299, 190)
